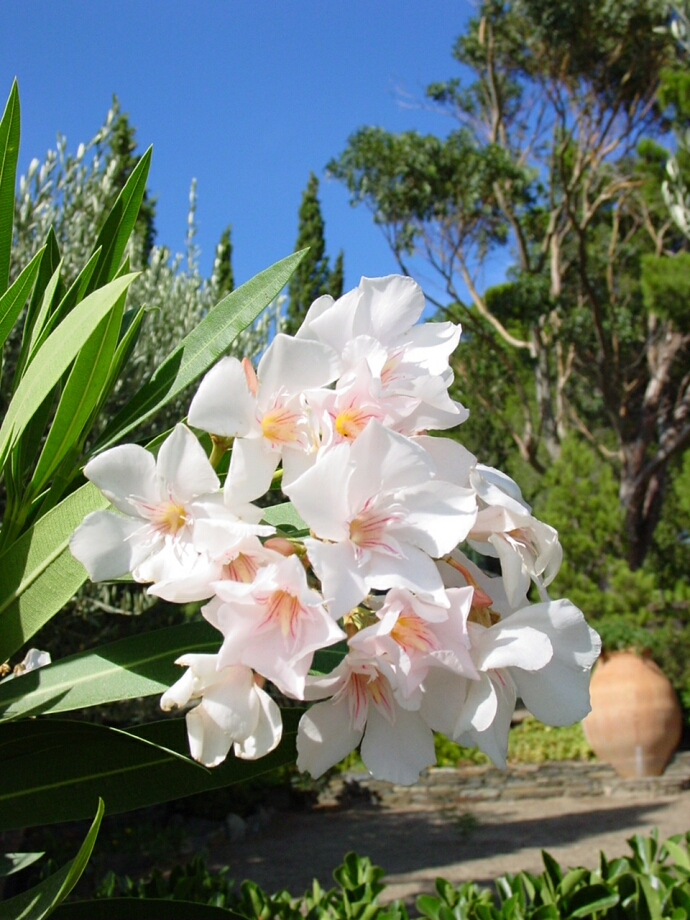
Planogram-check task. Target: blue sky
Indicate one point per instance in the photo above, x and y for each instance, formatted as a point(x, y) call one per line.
point(245, 95)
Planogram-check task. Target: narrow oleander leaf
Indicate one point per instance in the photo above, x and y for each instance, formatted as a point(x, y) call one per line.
point(326, 659)
point(199, 350)
point(15, 862)
point(50, 259)
point(54, 357)
point(119, 224)
point(130, 668)
point(73, 296)
point(82, 392)
point(45, 311)
point(15, 297)
point(285, 517)
point(142, 909)
point(55, 770)
point(42, 900)
point(9, 152)
point(39, 573)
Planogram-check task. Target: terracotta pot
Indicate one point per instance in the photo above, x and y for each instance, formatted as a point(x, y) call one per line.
point(636, 720)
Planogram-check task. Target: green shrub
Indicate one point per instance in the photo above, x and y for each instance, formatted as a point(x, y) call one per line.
point(652, 882)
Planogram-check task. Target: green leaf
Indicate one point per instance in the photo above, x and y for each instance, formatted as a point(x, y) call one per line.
point(326, 659)
point(201, 348)
point(39, 573)
point(590, 899)
point(134, 667)
point(49, 262)
point(45, 312)
point(41, 900)
point(285, 517)
point(53, 359)
point(15, 862)
point(9, 152)
point(73, 296)
point(55, 770)
point(117, 229)
point(677, 853)
point(15, 297)
point(83, 391)
point(142, 909)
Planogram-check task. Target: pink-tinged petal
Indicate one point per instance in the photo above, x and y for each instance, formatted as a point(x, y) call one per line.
point(124, 472)
point(252, 466)
point(208, 743)
point(452, 461)
point(388, 307)
point(479, 709)
point(325, 735)
point(267, 733)
point(292, 365)
point(413, 570)
point(439, 515)
point(320, 494)
point(223, 403)
point(183, 466)
point(398, 751)
point(341, 575)
point(103, 546)
point(508, 644)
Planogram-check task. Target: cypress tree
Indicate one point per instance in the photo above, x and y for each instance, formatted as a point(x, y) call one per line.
point(223, 276)
point(312, 278)
point(122, 145)
point(337, 277)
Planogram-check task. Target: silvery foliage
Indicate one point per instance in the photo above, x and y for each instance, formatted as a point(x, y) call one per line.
point(72, 192)
point(673, 188)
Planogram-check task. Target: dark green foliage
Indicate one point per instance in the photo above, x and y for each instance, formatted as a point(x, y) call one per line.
point(665, 284)
point(222, 267)
point(313, 277)
point(122, 149)
point(337, 277)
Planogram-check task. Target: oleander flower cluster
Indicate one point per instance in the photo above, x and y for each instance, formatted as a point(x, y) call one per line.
point(384, 571)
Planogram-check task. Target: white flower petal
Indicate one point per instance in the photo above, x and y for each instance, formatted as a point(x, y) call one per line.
point(183, 466)
point(207, 742)
point(252, 466)
point(122, 472)
point(325, 735)
point(268, 730)
point(388, 306)
point(510, 644)
point(293, 365)
point(102, 544)
point(223, 403)
point(479, 709)
point(397, 751)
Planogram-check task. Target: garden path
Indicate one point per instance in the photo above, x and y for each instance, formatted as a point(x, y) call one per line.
point(461, 827)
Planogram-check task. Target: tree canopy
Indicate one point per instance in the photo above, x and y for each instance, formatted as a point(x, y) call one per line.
point(557, 154)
